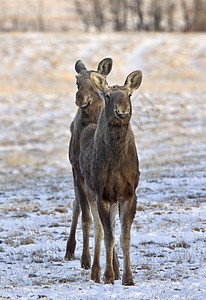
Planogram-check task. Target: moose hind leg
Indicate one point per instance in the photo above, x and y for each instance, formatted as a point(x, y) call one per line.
point(116, 264)
point(86, 226)
point(127, 213)
point(86, 222)
point(71, 242)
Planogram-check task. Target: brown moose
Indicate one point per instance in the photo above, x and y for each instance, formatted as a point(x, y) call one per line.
point(90, 105)
point(110, 169)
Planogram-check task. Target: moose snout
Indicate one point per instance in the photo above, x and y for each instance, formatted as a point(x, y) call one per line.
point(122, 111)
point(82, 101)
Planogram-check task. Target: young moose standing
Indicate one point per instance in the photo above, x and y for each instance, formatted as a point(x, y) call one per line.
point(110, 167)
point(90, 105)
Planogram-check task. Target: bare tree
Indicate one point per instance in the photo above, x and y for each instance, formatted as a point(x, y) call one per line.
point(15, 19)
point(83, 14)
point(41, 24)
point(119, 11)
point(199, 19)
point(170, 10)
point(138, 9)
point(186, 15)
point(98, 15)
point(113, 15)
point(156, 13)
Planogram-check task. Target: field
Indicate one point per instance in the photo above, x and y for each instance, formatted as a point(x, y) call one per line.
point(37, 100)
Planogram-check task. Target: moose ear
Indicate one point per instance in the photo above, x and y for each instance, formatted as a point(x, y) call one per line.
point(98, 81)
point(133, 81)
point(80, 67)
point(105, 66)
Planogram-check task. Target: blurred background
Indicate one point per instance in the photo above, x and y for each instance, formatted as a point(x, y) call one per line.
point(40, 41)
point(106, 15)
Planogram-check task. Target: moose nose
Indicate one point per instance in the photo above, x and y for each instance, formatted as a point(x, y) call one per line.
point(82, 101)
point(123, 112)
point(123, 109)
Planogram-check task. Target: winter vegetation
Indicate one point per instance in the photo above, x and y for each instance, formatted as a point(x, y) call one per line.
point(101, 15)
point(37, 103)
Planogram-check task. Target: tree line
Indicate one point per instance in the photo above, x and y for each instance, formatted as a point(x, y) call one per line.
point(105, 15)
point(141, 15)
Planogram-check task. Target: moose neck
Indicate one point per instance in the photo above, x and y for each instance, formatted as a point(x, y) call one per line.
point(114, 137)
point(117, 134)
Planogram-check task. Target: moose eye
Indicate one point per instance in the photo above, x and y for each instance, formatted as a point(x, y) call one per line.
point(130, 95)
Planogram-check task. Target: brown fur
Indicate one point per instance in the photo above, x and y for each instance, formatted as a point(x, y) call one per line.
point(110, 168)
point(90, 105)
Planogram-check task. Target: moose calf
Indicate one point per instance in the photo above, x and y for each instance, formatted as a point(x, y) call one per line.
point(110, 168)
point(90, 105)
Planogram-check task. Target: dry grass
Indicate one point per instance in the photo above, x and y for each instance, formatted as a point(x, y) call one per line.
point(37, 88)
point(45, 62)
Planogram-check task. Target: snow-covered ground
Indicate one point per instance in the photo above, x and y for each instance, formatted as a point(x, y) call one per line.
point(37, 88)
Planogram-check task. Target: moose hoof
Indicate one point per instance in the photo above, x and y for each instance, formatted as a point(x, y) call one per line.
point(86, 262)
point(69, 256)
point(128, 281)
point(96, 273)
point(71, 245)
point(117, 276)
point(70, 250)
point(108, 278)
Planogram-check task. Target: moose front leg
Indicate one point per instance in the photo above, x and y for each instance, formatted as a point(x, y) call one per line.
point(127, 213)
point(116, 264)
point(106, 213)
point(113, 212)
point(98, 230)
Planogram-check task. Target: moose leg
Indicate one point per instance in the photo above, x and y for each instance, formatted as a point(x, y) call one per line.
point(80, 201)
point(127, 213)
point(96, 269)
point(71, 242)
point(86, 223)
point(106, 218)
point(116, 264)
point(115, 257)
